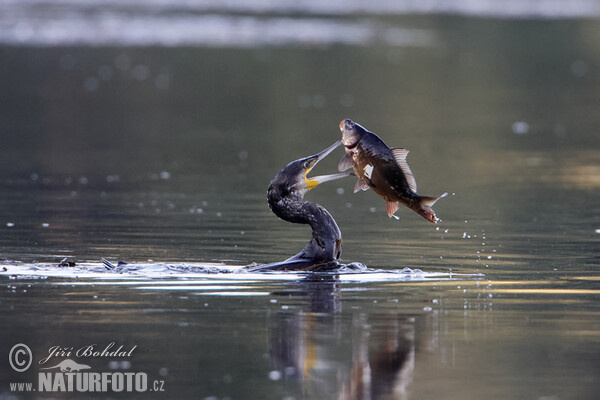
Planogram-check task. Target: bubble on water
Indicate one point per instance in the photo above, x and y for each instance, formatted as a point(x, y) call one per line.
point(45, 225)
point(579, 68)
point(34, 177)
point(113, 178)
point(372, 209)
point(10, 224)
point(339, 191)
point(520, 127)
point(427, 309)
point(464, 236)
point(273, 301)
point(446, 230)
point(489, 257)
point(243, 155)
point(141, 72)
point(348, 205)
point(91, 83)
point(219, 214)
point(598, 230)
point(163, 371)
point(437, 228)
point(83, 180)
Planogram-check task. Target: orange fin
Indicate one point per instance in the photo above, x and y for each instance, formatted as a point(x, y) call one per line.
point(346, 162)
point(360, 185)
point(400, 157)
point(392, 207)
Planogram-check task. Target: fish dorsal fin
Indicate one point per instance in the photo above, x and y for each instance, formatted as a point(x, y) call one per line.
point(346, 162)
point(400, 157)
point(360, 185)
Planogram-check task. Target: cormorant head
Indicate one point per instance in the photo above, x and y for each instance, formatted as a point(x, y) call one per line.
point(351, 133)
point(294, 177)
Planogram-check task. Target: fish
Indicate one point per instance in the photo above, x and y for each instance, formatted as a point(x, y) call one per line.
point(384, 170)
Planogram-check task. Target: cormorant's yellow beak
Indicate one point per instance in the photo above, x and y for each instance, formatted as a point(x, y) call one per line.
point(313, 160)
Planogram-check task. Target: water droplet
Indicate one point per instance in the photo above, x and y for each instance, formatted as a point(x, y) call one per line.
point(165, 175)
point(373, 209)
point(340, 191)
point(243, 155)
point(489, 257)
point(274, 375)
point(520, 127)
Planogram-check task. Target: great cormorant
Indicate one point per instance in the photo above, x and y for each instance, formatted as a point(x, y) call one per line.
point(286, 199)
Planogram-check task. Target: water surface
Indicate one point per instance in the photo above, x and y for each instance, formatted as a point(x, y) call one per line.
point(160, 154)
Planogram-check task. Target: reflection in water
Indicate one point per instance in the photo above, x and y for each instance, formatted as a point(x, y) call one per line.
point(310, 347)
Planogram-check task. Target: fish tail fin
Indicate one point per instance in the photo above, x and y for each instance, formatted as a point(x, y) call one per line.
point(425, 209)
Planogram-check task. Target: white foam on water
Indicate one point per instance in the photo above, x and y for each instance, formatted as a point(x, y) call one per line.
point(199, 275)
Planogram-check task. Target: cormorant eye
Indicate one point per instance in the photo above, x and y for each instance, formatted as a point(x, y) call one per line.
point(306, 164)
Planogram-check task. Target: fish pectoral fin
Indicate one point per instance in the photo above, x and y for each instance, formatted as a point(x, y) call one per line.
point(400, 157)
point(346, 162)
point(392, 207)
point(360, 185)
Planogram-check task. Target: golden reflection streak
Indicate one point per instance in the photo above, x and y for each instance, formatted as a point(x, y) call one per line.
point(545, 291)
point(582, 278)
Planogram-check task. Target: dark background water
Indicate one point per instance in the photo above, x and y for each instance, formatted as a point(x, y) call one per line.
point(164, 152)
